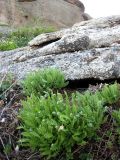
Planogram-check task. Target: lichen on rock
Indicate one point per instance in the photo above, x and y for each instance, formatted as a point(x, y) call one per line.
point(89, 49)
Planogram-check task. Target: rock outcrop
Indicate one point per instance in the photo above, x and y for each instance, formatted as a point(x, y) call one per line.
point(89, 49)
point(58, 13)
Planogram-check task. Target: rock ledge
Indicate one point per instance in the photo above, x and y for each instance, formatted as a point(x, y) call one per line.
point(89, 49)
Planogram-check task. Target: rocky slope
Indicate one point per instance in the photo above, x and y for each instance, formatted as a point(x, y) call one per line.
point(89, 49)
point(59, 13)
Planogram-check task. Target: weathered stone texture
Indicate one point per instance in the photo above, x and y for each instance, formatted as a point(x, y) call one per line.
point(89, 49)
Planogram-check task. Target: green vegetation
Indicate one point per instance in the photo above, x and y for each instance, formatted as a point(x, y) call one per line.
point(116, 115)
point(53, 123)
point(42, 81)
point(7, 45)
point(21, 37)
point(57, 123)
point(110, 93)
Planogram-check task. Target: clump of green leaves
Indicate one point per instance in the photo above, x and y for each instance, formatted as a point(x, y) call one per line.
point(7, 45)
point(110, 93)
point(58, 123)
point(43, 81)
point(116, 115)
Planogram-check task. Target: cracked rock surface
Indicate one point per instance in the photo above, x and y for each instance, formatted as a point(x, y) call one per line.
point(90, 49)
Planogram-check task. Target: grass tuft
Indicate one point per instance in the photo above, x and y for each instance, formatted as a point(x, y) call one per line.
point(22, 36)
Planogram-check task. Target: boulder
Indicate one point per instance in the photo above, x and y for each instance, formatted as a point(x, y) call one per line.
point(90, 49)
point(58, 13)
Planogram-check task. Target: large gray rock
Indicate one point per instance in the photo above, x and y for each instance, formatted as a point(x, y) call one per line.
point(89, 49)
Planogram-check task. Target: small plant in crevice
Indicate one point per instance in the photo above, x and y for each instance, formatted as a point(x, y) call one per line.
point(43, 81)
point(57, 123)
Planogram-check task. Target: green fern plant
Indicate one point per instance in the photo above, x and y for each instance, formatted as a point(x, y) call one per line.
point(110, 93)
point(43, 81)
point(57, 123)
